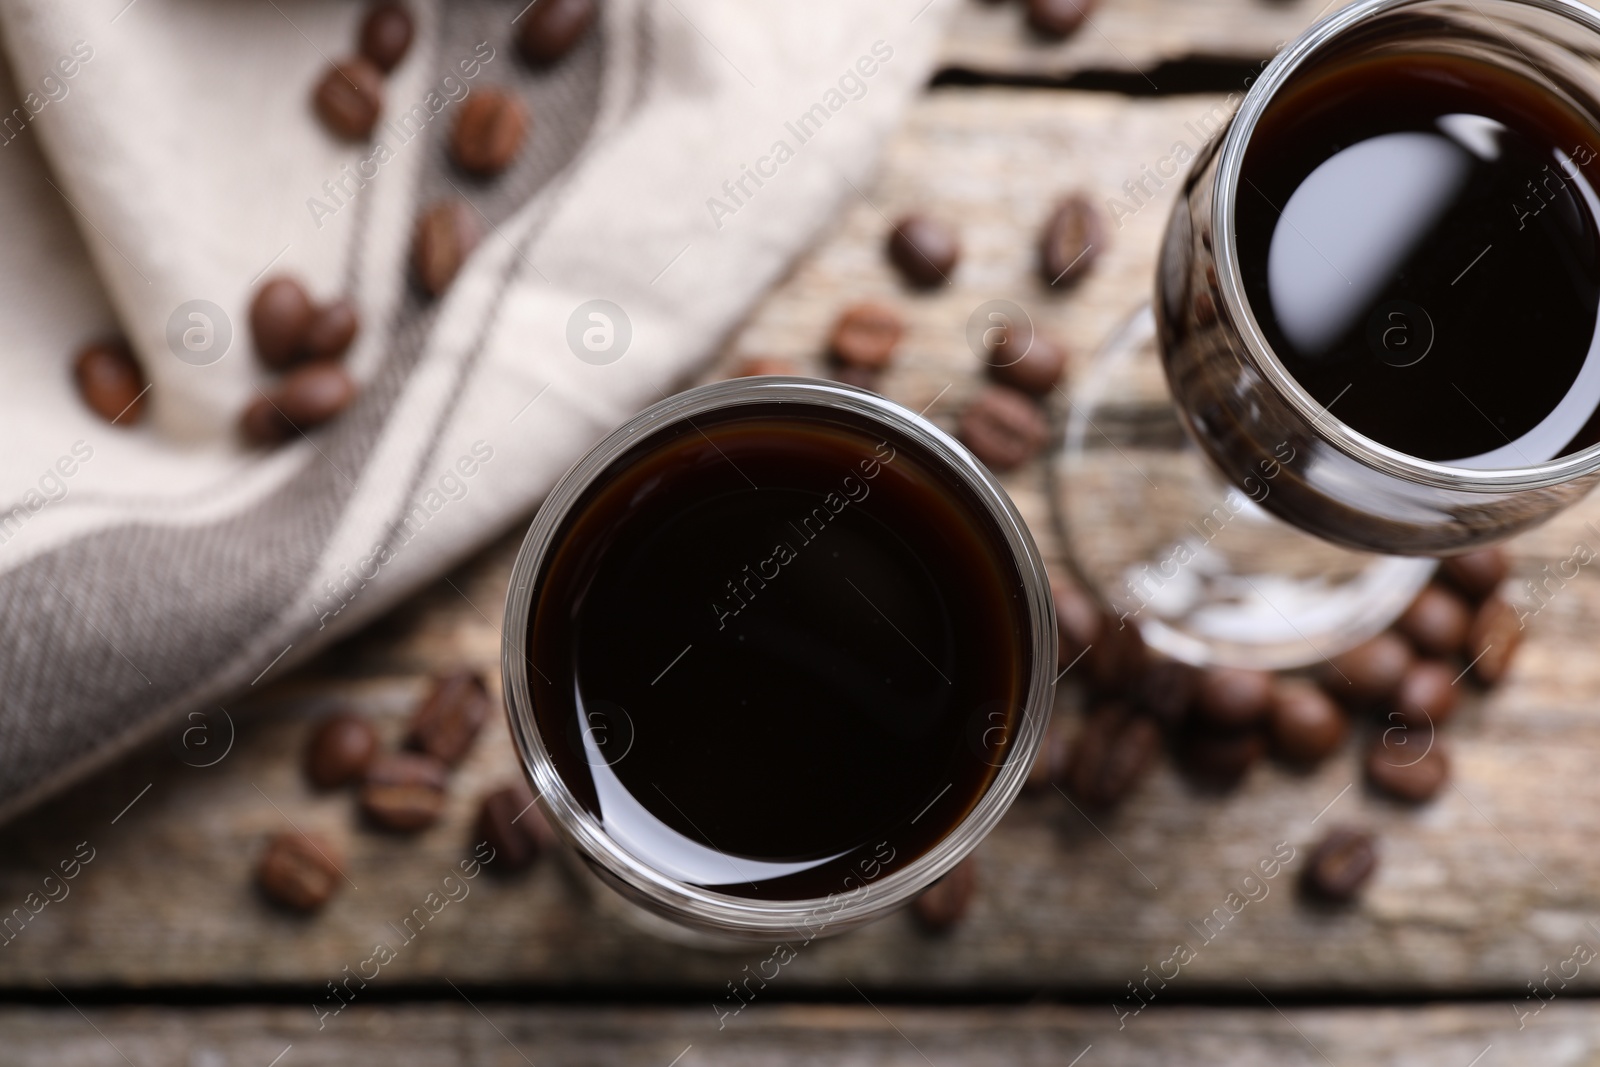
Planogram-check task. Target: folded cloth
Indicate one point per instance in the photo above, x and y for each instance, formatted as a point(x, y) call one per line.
point(159, 158)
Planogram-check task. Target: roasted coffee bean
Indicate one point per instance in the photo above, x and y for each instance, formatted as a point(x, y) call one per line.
point(349, 98)
point(1437, 621)
point(1477, 574)
point(491, 125)
point(1050, 762)
point(332, 328)
point(311, 395)
point(1370, 671)
point(1117, 660)
point(860, 377)
point(1110, 754)
point(1492, 643)
point(1220, 760)
point(945, 902)
point(298, 871)
point(552, 27)
point(1306, 724)
point(514, 827)
point(1078, 623)
point(1036, 371)
point(446, 235)
point(262, 422)
point(1230, 698)
point(758, 365)
point(340, 750)
point(1073, 239)
point(1408, 767)
point(1340, 865)
point(865, 335)
point(1427, 696)
point(280, 318)
point(1003, 428)
point(403, 791)
point(110, 382)
point(1058, 18)
point(924, 250)
point(386, 35)
point(448, 720)
point(1165, 690)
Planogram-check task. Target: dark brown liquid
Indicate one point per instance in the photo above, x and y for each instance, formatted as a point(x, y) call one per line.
point(778, 654)
point(1418, 238)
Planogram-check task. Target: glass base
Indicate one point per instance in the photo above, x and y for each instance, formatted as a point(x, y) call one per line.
point(1209, 576)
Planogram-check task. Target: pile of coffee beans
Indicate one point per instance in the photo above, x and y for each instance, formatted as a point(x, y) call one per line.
point(303, 341)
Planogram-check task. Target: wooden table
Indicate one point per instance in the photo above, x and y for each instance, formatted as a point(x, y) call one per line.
point(163, 953)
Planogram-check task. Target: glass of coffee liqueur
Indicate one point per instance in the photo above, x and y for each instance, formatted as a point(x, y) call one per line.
point(1376, 310)
point(778, 654)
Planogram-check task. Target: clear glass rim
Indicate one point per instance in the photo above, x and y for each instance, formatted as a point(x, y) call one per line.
point(1328, 426)
point(693, 905)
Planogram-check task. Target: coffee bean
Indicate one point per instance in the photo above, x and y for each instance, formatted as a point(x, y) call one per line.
point(1427, 696)
point(1078, 622)
point(332, 328)
point(1340, 865)
point(946, 902)
point(1165, 690)
point(1395, 766)
point(403, 791)
point(446, 235)
point(1036, 372)
point(1110, 755)
point(1230, 698)
point(1370, 671)
point(280, 317)
point(860, 377)
point(490, 127)
point(1492, 643)
point(1437, 621)
point(1117, 660)
point(1073, 239)
point(1306, 724)
point(1058, 18)
point(298, 871)
point(1477, 574)
point(262, 421)
point(514, 827)
point(340, 750)
point(448, 720)
point(349, 98)
point(110, 382)
point(865, 335)
point(1003, 428)
point(552, 27)
point(1050, 762)
point(311, 395)
point(386, 35)
point(755, 366)
point(1219, 760)
point(924, 250)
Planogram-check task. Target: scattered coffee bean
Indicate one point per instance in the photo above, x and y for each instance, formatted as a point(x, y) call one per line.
point(1477, 574)
point(1492, 643)
point(1340, 865)
point(446, 235)
point(340, 750)
point(1220, 760)
point(1110, 755)
point(1165, 690)
point(552, 27)
point(1406, 766)
point(1306, 724)
point(1003, 428)
point(404, 791)
point(280, 317)
point(1050, 763)
point(1370, 671)
point(865, 335)
point(1437, 621)
point(1073, 239)
point(514, 827)
point(1117, 660)
point(1427, 697)
point(448, 720)
point(110, 381)
point(924, 250)
point(490, 127)
point(759, 365)
point(1078, 623)
point(262, 421)
point(1230, 698)
point(1058, 18)
point(298, 871)
point(311, 395)
point(945, 902)
point(1036, 372)
point(349, 98)
point(331, 330)
point(386, 35)
point(860, 377)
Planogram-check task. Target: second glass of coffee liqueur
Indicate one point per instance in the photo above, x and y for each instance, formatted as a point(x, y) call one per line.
point(778, 654)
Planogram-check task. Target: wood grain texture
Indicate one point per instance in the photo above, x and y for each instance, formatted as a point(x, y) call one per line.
point(1478, 892)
